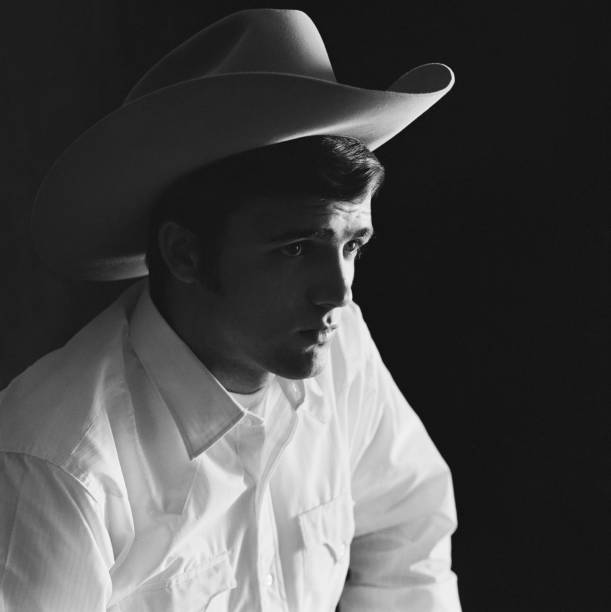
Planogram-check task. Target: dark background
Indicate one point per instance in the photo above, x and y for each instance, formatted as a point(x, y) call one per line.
point(484, 289)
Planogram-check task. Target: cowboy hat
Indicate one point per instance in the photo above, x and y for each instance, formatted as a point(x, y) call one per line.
point(255, 78)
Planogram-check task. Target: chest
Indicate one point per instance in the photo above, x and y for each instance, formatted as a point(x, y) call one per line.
point(262, 520)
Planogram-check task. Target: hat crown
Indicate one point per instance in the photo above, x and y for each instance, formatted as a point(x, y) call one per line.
point(250, 41)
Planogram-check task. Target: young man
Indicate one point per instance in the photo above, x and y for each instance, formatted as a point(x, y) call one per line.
point(225, 436)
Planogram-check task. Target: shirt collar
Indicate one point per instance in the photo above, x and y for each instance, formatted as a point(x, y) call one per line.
point(201, 407)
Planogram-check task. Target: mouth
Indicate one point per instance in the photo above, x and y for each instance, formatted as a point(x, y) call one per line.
point(319, 335)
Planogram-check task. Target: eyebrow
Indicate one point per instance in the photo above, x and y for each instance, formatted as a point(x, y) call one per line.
point(322, 234)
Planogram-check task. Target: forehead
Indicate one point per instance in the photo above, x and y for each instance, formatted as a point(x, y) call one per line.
point(265, 217)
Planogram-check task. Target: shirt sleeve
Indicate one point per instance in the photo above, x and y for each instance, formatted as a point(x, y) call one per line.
point(53, 557)
point(404, 502)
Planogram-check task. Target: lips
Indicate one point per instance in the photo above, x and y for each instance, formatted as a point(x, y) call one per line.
point(319, 335)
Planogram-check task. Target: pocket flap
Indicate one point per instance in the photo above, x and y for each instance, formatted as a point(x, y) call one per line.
point(206, 582)
point(330, 524)
point(189, 591)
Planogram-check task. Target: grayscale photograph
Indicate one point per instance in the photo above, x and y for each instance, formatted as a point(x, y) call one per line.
point(304, 309)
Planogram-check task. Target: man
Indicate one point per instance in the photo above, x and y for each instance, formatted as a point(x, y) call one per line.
point(225, 436)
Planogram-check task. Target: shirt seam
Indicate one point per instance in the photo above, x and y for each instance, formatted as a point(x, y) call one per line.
point(54, 465)
point(152, 382)
point(10, 542)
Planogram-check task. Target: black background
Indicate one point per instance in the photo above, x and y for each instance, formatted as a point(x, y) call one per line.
point(484, 288)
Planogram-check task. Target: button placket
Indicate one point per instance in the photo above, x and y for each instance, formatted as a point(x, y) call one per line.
point(282, 428)
point(250, 441)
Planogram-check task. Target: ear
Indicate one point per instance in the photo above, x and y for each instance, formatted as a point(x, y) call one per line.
point(179, 248)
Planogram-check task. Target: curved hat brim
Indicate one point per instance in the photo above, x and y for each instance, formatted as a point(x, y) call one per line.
point(90, 215)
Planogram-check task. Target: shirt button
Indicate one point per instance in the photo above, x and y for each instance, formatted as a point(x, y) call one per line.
point(341, 550)
point(269, 580)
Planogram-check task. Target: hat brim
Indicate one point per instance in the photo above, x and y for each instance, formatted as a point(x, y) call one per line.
point(90, 215)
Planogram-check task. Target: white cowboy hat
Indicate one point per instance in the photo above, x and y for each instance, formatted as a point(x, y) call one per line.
point(254, 78)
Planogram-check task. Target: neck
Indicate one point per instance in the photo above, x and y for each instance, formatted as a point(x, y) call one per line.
point(242, 383)
point(185, 317)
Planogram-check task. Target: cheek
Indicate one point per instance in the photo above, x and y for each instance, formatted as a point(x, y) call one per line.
point(263, 300)
point(264, 292)
point(264, 280)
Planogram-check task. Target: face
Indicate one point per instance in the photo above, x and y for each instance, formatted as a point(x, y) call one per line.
point(286, 271)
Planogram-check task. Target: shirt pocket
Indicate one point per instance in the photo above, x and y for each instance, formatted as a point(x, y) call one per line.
point(202, 588)
point(326, 532)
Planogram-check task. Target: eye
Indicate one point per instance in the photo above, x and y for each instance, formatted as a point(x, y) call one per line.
point(294, 249)
point(354, 247)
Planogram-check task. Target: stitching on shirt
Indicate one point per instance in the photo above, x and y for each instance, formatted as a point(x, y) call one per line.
point(57, 466)
point(184, 576)
point(212, 440)
point(10, 541)
point(192, 452)
point(151, 380)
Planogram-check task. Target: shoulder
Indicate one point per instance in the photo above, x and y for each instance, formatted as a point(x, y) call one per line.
point(352, 346)
point(353, 337)
point(60, 402)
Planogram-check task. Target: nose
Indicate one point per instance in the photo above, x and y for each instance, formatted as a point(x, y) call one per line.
point(332, 286)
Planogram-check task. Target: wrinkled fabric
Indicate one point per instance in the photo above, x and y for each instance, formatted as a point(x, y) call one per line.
point(132, 481)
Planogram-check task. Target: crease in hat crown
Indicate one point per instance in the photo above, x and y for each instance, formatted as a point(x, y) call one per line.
point(250, 41)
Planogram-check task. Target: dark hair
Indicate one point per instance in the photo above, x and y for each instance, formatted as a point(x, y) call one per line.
point(325, 167)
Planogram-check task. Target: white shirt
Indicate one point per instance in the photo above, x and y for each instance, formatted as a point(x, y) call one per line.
point(252, 402)
point(132, 481)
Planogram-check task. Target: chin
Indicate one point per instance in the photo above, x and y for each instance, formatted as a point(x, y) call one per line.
point(302, 365)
